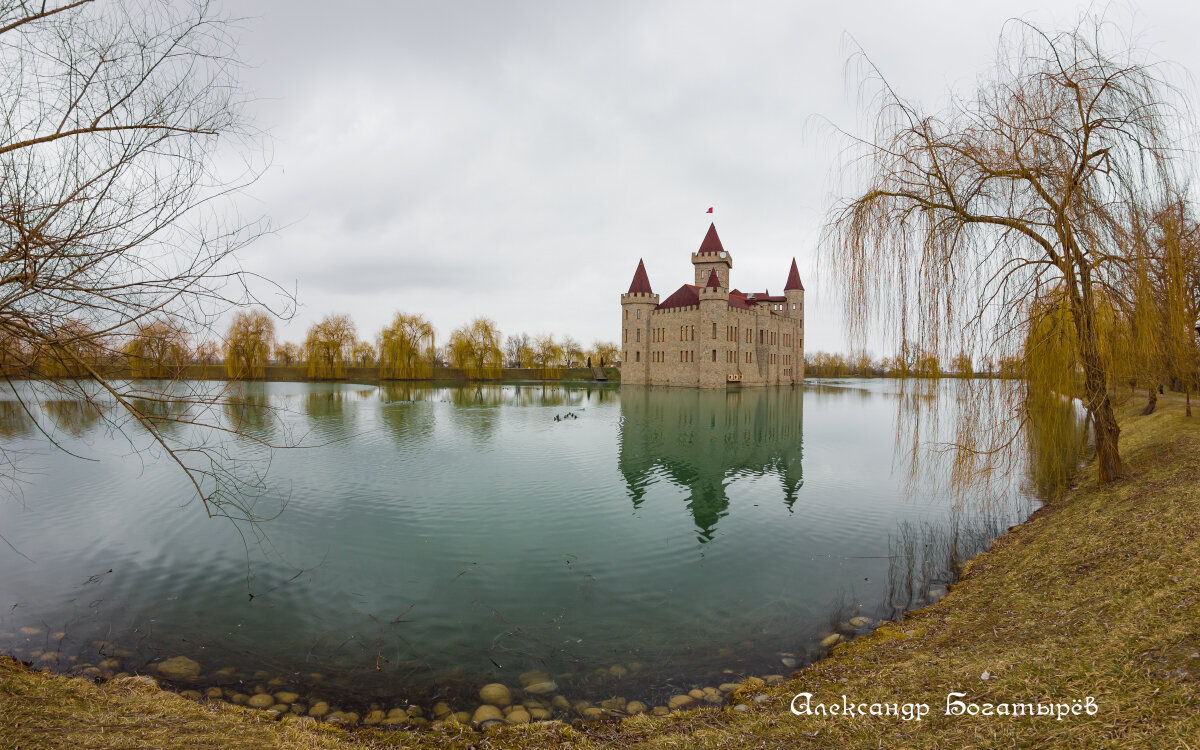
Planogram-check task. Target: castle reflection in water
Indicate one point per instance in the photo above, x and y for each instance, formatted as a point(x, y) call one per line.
point(703, 440)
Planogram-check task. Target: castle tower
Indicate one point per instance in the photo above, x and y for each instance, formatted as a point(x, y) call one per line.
point(711, 340)
point(636, 305)
point(712, 256)
point(794, 291)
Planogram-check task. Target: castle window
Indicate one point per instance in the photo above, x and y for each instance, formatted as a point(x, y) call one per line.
point(639, 334)
point(714, 332)
point(639, 314)
point(637, 356)
point(793, 305)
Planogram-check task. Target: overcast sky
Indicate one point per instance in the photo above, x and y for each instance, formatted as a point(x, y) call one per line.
point(516, 159)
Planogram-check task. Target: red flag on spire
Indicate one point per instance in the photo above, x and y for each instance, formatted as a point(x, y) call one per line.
point(709, 211)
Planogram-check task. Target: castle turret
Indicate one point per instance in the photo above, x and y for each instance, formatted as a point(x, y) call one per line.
point(713, 341)
point(636, 305)
point(712, 256)
point(794, 291)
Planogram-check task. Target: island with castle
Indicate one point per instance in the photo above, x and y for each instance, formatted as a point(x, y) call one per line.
point(707, 335)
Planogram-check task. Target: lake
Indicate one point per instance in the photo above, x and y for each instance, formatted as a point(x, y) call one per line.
point(423, 541)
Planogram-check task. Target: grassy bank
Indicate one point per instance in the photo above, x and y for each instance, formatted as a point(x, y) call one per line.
point(1095, 596)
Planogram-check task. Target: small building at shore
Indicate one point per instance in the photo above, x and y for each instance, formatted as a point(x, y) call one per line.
point(708, 335)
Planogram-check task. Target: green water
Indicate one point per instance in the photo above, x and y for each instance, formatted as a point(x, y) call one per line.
point(429, 540)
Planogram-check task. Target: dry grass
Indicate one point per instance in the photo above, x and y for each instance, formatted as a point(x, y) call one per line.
point(1095, 596)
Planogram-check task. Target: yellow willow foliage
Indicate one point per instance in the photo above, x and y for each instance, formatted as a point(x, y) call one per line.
point(1181, 299)
point(406, 348)
point(157, 350)
point(1055, 432)
point(475, 348)
point(547, 355)
point(248, 345)
point(328, 346)
point(67, 351)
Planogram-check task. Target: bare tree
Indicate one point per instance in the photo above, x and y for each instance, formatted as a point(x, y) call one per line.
point(113, 212)
point(518, 351)
point(966, 219)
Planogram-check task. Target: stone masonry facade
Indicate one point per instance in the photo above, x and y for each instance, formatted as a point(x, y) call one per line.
point(706, 335)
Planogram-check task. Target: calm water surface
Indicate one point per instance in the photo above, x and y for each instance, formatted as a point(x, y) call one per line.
point(434, 539)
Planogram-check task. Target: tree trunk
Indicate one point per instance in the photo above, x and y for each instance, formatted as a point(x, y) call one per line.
point(1188, 396)
point(1105, 429)
point(1152, 403)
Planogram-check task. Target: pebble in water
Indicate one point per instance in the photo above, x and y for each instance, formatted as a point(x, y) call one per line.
point(541, 688)
point(788, 662)
point(530, 678)
point(192, 695)
point(214, 692)
point(831, 640)
point(286, 697)
point(177, 668)
point(261, 700)
point(486, 712)
point(374, 717)
point(560, 702)
point(519, 716)
point(697, 693)
point(318, 709)
point(633, 708)
point(660, 710)
point(773, 679)
point(680, 701)
point(860, 622)
point(495, 694)
point(239, 699)
point(539, 714)
point(618, 671)
point(30, 631)
point(593, 713)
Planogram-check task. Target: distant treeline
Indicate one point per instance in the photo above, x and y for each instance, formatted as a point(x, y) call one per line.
point(406, 349)
point(909, 365)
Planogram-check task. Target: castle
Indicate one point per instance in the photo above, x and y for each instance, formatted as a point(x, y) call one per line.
point(707, 335)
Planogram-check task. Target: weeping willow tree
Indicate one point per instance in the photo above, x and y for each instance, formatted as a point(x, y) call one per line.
point(406, 348)
point(248, 345)
point(158, 349)
point(1161, 334)
point(475, 348)
point(328, 347)
point(547, 353)
point(1023, 191)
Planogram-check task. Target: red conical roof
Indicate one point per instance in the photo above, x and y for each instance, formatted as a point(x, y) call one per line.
point(641, 282)
point(793, 281)
point(714, 281)
point(712, 243)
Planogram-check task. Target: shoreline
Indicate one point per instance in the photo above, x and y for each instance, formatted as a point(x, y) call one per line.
point(1007, 633)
